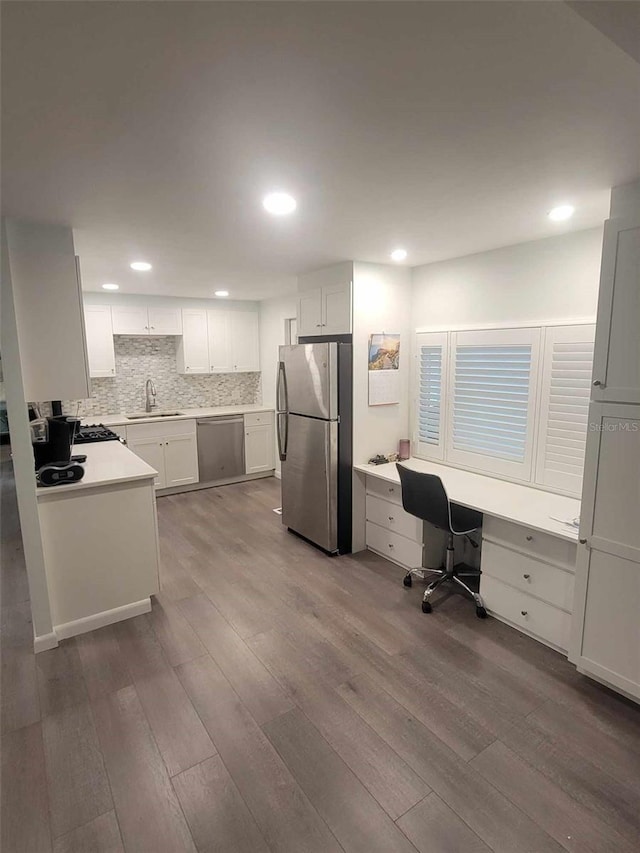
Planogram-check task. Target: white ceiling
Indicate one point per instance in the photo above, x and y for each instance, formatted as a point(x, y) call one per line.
point(154, 129)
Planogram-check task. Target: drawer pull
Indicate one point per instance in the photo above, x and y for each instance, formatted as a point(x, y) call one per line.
point(391, 489)
point(524, 612)
point(526, 577)
point(529, 538)
point(390, 518)
point(582, 541)
point(390, 544)
point(597, 383)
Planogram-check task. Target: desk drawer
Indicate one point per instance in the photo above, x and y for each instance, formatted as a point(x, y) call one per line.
point(258, 418)
point(384, 489)
point(526, 613)
point(531, 542)
point(394, 547)
point(390, 515)
point(533, 577)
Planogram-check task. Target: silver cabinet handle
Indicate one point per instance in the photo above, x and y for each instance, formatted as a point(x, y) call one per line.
point(526, 577)
point(318, 325)
point(597, 383)
point(524, 612)
point(529, 538)
point(390, 518)
point(390, 545)
point(582, 541)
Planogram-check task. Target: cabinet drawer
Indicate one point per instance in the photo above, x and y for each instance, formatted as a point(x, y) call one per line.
point(397, 548)
point(384, 489)
point(163, 428)
point(258, 418)
point(547, 582)
point(530, 615)
point(532, 542)
point(390, 515)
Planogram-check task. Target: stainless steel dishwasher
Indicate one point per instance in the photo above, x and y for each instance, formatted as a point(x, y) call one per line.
point(220, 448)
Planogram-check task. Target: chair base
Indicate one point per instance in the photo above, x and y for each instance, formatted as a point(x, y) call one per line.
point(450, 573)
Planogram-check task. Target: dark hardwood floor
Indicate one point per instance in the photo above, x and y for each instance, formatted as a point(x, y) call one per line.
point(280, 700)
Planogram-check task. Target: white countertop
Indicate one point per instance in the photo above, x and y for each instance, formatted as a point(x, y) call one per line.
point(510, 501)
point(211, 412)
point(108, 463)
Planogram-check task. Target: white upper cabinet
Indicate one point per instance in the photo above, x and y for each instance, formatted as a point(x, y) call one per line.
point(616, 370)
point(165, 321)
point(193, 347)
point(220, 356)
point(336, 309)
point(141, 320)
point(130, 320)
point(100, 349)
point(245, 341)
point(310, 313)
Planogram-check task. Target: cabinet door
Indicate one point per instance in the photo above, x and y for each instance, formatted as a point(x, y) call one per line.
point(193, 347)
point(259, 451)
point(152, 451)
point(245, 341)
point(336, 310)
point(309, 315)
point(165, 321)
point(220, 356)
point(100, 349)
point(130, 320)
point(616, 370)
point(180, 460)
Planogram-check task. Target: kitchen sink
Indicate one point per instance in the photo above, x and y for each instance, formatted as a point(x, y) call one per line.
point(138, 415)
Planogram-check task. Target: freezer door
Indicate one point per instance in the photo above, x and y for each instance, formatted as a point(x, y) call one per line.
point(310, 480)
point(309, 374)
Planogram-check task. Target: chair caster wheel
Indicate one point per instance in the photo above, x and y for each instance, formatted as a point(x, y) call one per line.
point(408, 580)
point(481, 613)
point(426, 607)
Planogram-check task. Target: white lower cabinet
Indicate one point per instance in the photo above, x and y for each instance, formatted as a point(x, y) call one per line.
point(259, 442)
point(528, 580)
point(170, 448)
point(390, 531)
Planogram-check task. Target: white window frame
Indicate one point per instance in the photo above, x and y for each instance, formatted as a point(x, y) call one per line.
point(521, 472)
point(431, 339)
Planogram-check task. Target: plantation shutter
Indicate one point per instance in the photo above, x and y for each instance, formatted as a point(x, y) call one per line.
point(432, 370)
point(566, 389)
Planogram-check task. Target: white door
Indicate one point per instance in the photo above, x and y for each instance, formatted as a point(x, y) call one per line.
point(220, 356)
point(245, 341)
point(180, 460)
point(310, 313)
point(336, 310)
point(100, 349)
point(193, 348)
point(152, 451)
point(616, 369)
point(130, 320)
point(259, 452)
point(165, 321)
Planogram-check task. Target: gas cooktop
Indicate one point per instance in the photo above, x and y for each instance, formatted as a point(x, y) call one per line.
point(94, 432)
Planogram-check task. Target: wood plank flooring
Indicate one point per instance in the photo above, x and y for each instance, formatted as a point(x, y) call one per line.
point(279, 700)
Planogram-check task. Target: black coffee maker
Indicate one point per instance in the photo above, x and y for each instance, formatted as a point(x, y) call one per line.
point(52, 440)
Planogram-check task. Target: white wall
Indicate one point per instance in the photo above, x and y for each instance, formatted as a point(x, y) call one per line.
point(545, 280)
point(381, 303)
point(273, 313)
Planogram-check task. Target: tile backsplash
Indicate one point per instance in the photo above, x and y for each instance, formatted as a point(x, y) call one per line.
point(138, 359)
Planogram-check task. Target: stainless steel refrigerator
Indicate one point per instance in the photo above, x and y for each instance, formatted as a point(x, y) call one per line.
point(314, 423)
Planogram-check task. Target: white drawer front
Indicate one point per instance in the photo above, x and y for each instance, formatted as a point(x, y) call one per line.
point(384, 489)
point(397, 548)
point(533, 616)
point(390, 515)
point(550, 548)
point(162, 428)
point(258, 418)
point(528, 574)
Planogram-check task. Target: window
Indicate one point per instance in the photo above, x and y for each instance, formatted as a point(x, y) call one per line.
point(432, 369)
point(564, 408)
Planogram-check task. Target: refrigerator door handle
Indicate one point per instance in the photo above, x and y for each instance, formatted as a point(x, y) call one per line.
point(282, 441)
point(282, 393)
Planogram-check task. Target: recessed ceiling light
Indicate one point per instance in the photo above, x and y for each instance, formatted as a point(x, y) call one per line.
point(140, 266)
point(399, 255)
point(221, 293)
point(562, 212)
point(111, 287)
point(280, 204)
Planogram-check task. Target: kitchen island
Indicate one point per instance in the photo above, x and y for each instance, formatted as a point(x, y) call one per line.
point(100, 541)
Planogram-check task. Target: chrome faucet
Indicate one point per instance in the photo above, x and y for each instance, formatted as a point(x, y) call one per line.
point(150, 393)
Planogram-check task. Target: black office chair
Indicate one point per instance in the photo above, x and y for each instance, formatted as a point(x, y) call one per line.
point(424, 496)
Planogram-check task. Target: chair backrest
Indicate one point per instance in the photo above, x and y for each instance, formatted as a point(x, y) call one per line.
point(424, 496)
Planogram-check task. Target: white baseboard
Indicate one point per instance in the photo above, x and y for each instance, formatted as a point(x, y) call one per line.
point(277, 475)
point(45, 642)
point(99, 620)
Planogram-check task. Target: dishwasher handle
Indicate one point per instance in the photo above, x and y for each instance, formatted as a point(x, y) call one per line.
point(216, 421)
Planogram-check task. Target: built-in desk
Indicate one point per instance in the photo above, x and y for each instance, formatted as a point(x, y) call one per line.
point(528, 556)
